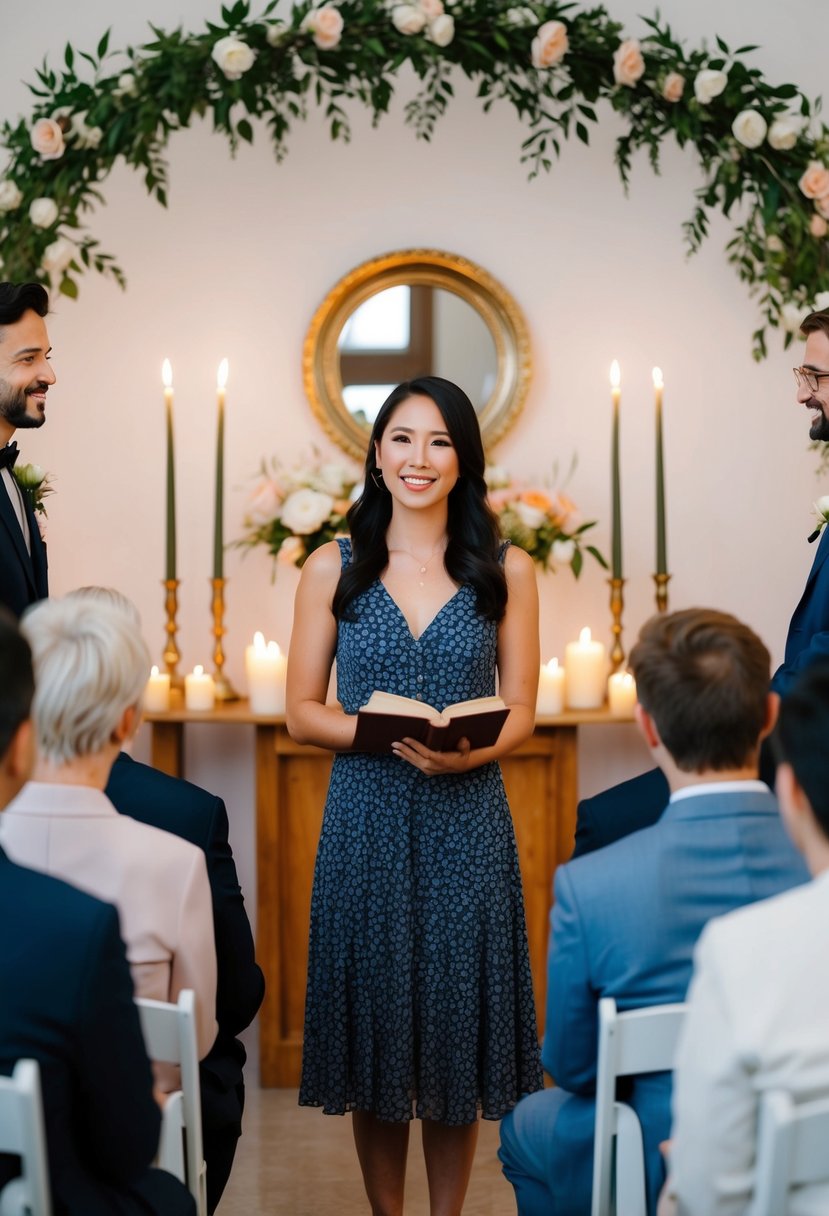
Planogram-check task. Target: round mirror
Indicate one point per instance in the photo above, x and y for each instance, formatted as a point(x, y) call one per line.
point(417, 312)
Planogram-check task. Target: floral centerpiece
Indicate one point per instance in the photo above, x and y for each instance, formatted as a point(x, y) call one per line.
point(294, 511)
point(544, 522)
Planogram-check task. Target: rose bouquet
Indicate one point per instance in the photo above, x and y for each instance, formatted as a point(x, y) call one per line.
point(294, 511)
point(544, 522)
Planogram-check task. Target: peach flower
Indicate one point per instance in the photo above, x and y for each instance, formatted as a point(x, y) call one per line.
point(674, 87)
point(818, 226)
point(550, 44)
point(628, 63)
point(815, 181)
point(537, 499)
point(290, 551)
point(432, 9)
point(47, 139)
point(822, 206)
point(326, 25)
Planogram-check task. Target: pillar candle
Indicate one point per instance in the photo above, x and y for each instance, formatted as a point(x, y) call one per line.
point(218, 529)
point(167, 379)
point(266, 668)
point(615, 476)
point(585, 666)
point(157, 692)
point(661, 546)
point(621, 694)
point(550, 689)
point(199, 689)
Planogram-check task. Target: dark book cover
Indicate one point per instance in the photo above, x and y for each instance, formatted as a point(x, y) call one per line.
point(377, 731)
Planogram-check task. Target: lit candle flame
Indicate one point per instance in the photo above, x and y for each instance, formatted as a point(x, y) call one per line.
point(615, 374)
point(585, 637)
point(167, 374)
point(221, 375)
point(658, 382)
point(272, 650)
point(153, 671)
point(258, 641)
point(198, 670)
point(552, 665)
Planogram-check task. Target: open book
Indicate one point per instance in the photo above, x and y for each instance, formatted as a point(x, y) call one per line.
point(387, 718)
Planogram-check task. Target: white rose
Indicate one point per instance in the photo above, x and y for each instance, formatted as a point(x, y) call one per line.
point(496, 477)
point(333, 478)
point(43, 212)
point(305, 511)
point(263, 503)
point(563, 552)
point(58, 255)
point(822, 507)
point(85, 137)
point(628, 63)
point(791, 315)
point(708, 84)
point(10, 195)
point(274, 33)
point(47, 139)
point(818, 226)
point(407, 19)
point(550, 44)
point(326, 24)
point(784, 131)
point(531, 517)
point(442, 30)
point(821, 301)
point(432, 9)
point(126, 86)
point(749, 128)
point(520, 16)
point(233, 56)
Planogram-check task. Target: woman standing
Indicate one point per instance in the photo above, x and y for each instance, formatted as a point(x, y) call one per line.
point(420, 999)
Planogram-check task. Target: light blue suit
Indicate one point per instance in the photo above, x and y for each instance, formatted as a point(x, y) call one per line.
point(624, 924)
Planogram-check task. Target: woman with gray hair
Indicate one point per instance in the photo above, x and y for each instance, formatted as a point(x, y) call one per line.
point(91, 666)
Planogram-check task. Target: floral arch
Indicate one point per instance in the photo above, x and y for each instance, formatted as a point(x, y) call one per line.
point(763, 152)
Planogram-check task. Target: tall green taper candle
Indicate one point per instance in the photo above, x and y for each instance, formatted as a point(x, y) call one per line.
point(616, 488)
point(218, 531)
point(170, 566)
point(661, 543)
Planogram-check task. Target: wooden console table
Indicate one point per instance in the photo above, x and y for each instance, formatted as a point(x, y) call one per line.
point(541, 780)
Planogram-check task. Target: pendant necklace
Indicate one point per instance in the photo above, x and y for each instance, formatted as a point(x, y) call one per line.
point(425, 566)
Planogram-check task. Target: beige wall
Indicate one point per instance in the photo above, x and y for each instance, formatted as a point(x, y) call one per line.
point(248, 249)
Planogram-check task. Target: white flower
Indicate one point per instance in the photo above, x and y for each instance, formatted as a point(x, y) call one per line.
point(785, 131)
point(441, 31)
point(10, 195)
point(791, 315)
point(531, 517)
point(43, 212)
point(47, 139)
point(550, 44)
point(520, 16)
point(305, 511)
point(275, 32)
point(334, 479)
point(233, 56)
point(408, 19)
point(821, 301)
point(126, 86)
point(58, 255)
point(84, 136)
point(563, 552)
point(774, 244)
point(628, 63)
point(708, 84)
point(326, 24)
point(749, 128)
point(496, 477)
point(263, 503)
point(822, 507)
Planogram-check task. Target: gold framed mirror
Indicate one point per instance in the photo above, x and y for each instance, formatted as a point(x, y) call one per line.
point(414, 312)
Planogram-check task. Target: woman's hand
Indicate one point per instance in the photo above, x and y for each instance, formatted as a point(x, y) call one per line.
point(433, 764)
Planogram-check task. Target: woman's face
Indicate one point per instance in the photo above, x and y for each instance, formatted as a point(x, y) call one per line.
point(416, 455)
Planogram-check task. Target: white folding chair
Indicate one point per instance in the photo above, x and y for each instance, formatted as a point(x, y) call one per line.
point(170, 1036)
point(792, 1151)
point(22, 1133)
point(630, 1044)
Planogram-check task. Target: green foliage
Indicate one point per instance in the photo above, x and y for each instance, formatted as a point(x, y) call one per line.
point(173, 79)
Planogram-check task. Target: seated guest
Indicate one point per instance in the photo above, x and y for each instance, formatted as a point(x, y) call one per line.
point(67, 1002)
point(90, 670)
point(626, 918)
point(759, 997)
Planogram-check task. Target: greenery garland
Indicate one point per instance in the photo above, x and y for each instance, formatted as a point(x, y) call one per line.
point(762, 150)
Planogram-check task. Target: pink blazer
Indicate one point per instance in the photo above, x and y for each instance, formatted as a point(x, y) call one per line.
point(157, 881)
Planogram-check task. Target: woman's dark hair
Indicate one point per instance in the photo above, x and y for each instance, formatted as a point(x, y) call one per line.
point(474, 537)
point(17, 298)
point(17, 682)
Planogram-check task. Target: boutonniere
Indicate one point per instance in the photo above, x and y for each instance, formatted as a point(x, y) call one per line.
point(822, 514)
point(34, 484)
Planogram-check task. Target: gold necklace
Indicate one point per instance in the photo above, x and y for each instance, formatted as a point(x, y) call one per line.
point(426, 564)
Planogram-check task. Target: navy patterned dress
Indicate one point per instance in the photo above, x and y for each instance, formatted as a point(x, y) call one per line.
point(420, 1000)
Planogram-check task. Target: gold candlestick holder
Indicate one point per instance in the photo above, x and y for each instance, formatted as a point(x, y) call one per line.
point(171, 654)
point(617, 603)
point(224, 689)
point(662, 581)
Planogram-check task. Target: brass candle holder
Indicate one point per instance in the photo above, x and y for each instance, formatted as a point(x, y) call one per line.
point(617, 603)
point(224, 689)
point(662, 581)
point(171, 653)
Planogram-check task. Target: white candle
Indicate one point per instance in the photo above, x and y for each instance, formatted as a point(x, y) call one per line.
point(550, 689)
point(585, 665)
point(199, 689)
point(157, 692)
point(266, 668)
point(621, 694)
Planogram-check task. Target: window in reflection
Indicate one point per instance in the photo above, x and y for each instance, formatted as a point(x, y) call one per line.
point(381, 323)
point(363, 401)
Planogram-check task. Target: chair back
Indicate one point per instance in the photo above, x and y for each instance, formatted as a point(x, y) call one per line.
point(630, 1044)
point(792, 1150)
point(22, 1134)
point(170, 1038)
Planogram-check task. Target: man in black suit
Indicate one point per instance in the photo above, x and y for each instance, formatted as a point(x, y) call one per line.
point(25, 378)
point(67, 1002)
point(188, 811)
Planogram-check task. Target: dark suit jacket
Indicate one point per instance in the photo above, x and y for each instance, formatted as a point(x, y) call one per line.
point(67, 1001)
point(190, 812)
point(624, 808)
point(23, 579)
point(807, 641)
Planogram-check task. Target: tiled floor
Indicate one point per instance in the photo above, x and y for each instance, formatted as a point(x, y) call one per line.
point(299, 1162)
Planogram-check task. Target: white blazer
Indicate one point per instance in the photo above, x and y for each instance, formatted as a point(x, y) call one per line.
point(758, 1020)
point(157, 881)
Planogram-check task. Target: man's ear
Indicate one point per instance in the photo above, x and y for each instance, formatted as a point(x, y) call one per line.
point(647, 726)
point(772, 710)
point(20, 758)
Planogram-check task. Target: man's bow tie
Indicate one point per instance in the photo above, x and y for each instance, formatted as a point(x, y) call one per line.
point(8, 455)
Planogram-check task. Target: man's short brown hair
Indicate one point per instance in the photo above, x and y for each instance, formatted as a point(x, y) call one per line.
point(815, 322)
point(703, 677)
